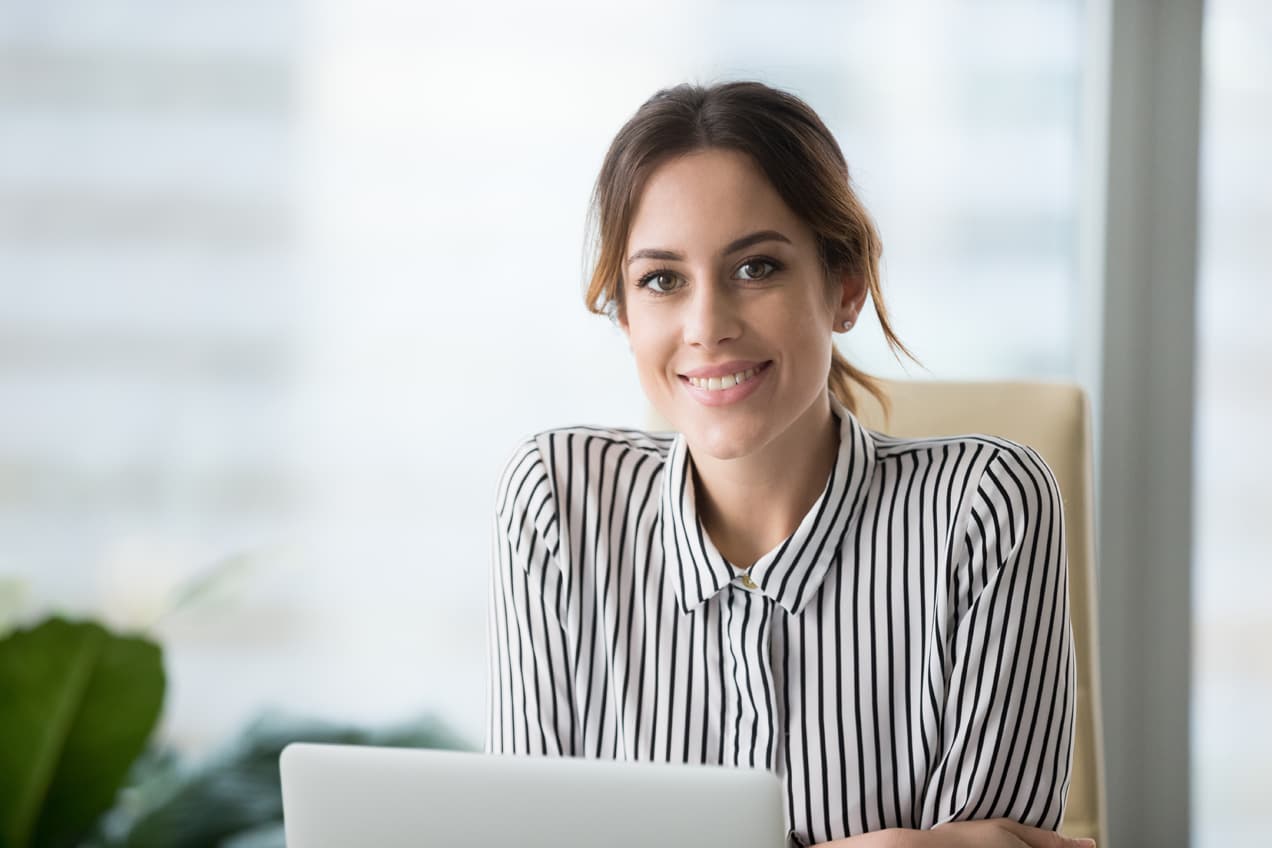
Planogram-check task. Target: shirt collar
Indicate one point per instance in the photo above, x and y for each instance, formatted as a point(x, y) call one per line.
point(790, 573)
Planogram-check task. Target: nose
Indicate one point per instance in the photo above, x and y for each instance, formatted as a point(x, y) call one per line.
point(711, 316)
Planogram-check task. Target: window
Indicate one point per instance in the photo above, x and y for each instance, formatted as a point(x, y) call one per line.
point(1232, 671)
point(284, 283)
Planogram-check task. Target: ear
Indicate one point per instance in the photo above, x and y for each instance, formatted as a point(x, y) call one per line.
point(618, 318)
point(852, 297)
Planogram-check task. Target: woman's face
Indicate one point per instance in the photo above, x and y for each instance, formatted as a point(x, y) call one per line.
point(723, 283)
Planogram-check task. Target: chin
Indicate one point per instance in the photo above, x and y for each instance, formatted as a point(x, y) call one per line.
point(723, 439)
point(721, 432)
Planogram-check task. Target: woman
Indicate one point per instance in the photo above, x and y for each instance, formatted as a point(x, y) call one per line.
point(882, 622)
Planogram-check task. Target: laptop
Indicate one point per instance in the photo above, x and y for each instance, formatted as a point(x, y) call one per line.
point(350, 795)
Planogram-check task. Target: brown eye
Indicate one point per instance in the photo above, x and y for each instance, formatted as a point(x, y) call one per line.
point(659, 282)
point(765, 266)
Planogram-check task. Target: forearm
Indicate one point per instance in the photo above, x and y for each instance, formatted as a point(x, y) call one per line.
point(893, 837)
point(992, 833)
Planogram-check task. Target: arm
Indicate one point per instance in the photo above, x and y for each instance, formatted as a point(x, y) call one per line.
point(1003, 770)
point(995, 833)
point(529, 706)
point(1007, 723)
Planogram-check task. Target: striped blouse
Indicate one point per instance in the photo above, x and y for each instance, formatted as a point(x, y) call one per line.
point(903, 659)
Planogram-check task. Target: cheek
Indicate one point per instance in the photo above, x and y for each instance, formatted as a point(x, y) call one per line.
point(807, 326)
point(649, 347)
point(798, 319)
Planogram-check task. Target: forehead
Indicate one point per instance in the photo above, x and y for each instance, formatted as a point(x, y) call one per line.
point(702, 200)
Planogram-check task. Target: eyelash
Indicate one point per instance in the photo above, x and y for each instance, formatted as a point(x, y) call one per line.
point(643, 282)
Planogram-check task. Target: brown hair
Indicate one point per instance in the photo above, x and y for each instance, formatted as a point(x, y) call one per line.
point(792, 148)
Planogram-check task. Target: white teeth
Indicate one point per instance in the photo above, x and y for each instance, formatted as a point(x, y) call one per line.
point(728, 381)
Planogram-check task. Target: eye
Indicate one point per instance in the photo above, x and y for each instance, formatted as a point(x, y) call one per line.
point(762, 264)
point(659, 281)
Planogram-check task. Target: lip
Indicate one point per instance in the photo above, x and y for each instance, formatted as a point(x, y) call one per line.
point(732, 367)
point(733, 394)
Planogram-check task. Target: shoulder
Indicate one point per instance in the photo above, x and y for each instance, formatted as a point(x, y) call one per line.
point(979, 450)
point(576, 442)
point(942, 462)
point(577, 454)
point(570, 444)
point(983, 466)
point(1019, 475)
point(943, 448)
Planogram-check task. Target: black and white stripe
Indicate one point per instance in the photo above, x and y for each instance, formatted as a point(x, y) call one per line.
point(906, 658)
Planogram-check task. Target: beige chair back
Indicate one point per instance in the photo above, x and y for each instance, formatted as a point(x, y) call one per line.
point(1055, 420)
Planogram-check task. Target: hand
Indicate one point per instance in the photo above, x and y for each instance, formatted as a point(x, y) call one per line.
point(988, 833)
point(999, 833)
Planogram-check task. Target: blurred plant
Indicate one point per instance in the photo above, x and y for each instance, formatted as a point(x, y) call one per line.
point(77, 704)
point(234, 799)
point(12, 600)
point(225, 580)
point(78, 707)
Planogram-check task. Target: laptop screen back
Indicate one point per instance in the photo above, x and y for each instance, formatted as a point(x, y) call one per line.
point(343, 795)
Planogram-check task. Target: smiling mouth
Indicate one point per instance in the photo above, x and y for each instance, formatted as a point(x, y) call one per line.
point(728, 381)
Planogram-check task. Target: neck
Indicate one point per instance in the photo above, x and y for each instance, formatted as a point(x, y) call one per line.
point(750, 504)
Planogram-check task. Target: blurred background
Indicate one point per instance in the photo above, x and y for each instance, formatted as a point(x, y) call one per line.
point(282, 283)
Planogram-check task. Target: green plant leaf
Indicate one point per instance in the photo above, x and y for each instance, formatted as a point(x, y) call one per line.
point(77, 704)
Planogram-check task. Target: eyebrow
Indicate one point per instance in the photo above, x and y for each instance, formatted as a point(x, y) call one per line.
point(732, 247)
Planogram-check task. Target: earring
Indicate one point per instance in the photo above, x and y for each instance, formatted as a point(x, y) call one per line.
point(848, 324)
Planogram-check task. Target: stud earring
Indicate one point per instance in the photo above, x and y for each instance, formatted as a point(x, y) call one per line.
point(848, 324)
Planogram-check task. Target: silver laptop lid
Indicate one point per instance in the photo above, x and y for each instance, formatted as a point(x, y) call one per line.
point(346, 795)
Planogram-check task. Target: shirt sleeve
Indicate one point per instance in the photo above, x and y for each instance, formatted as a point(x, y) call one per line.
point(1007, 720)
point(529, 704)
